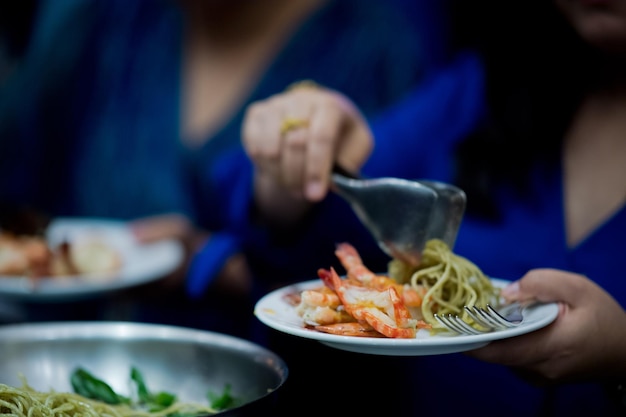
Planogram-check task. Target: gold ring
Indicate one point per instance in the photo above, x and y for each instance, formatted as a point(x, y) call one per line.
point(298, 85)
point(291, 123)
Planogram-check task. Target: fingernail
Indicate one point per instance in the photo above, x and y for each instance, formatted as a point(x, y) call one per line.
point(510, 290)
point(315, 190)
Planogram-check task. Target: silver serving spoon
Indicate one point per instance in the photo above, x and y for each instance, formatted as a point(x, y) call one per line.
point(401, 214)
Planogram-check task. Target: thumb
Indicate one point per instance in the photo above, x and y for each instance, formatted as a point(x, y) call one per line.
point(548, 285)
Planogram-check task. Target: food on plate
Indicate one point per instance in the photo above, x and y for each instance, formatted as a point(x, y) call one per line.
point(92, 397)
point(397, 304)
point(377, 310)
point(361, 304)
point(87, 257)
point(450, 281)
point(23, 255)
point(33, 256)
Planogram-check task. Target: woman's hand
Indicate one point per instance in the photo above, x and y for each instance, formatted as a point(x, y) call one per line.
point(586, 341)
point(234, 279)
point(175, 227)
point(294, 139)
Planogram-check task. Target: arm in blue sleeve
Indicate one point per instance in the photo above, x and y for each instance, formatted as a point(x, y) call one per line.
point(232, 177)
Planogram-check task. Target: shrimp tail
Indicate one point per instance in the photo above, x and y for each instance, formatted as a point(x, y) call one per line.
point(350, 329)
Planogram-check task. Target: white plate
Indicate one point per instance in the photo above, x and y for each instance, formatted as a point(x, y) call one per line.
point(141, 263)
point(276, 313)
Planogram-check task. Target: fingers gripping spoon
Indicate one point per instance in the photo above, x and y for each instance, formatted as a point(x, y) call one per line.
point(401, 214)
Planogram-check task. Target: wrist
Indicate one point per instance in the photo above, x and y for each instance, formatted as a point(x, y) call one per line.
point(275, 205)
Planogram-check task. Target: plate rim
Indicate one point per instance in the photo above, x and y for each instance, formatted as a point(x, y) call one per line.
point(168, 252)
point(423, 344)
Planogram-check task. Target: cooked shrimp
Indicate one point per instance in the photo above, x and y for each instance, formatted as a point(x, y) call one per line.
point(350, 329)
point(383, 310)
point(323, 297)
point(321, 306)
point(315, 316)
point(352, 262)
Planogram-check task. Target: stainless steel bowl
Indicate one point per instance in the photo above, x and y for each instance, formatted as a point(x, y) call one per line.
point(183, 361)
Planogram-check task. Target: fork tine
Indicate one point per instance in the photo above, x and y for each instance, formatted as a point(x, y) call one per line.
point(456, 324)
point(475, 314)
point(499, 318)
point(466, 327)
point(488, 317)
point(448, 324)
point(444, 322)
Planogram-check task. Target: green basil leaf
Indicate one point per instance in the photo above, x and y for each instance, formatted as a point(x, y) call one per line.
point(89, 386)
point(221, 401)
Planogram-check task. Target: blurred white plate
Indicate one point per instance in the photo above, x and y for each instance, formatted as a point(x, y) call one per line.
point(276, 313)
point(141, 263)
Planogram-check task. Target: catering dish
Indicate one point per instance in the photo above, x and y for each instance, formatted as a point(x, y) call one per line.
point(274, 311)
point(185, 362)
point(124, 262)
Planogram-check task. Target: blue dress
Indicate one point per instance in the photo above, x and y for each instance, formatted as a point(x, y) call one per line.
point(530, 235)
point(89, 125)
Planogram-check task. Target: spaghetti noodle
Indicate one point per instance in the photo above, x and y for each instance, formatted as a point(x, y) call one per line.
point(28, 402)
point(450, 282)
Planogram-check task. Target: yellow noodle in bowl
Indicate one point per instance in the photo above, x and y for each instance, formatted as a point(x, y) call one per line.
point(27, 402)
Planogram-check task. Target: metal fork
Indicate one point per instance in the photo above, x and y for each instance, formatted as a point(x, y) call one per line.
point(488, 318)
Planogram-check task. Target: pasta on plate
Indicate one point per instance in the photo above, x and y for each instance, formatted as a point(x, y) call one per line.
point(450, 281)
